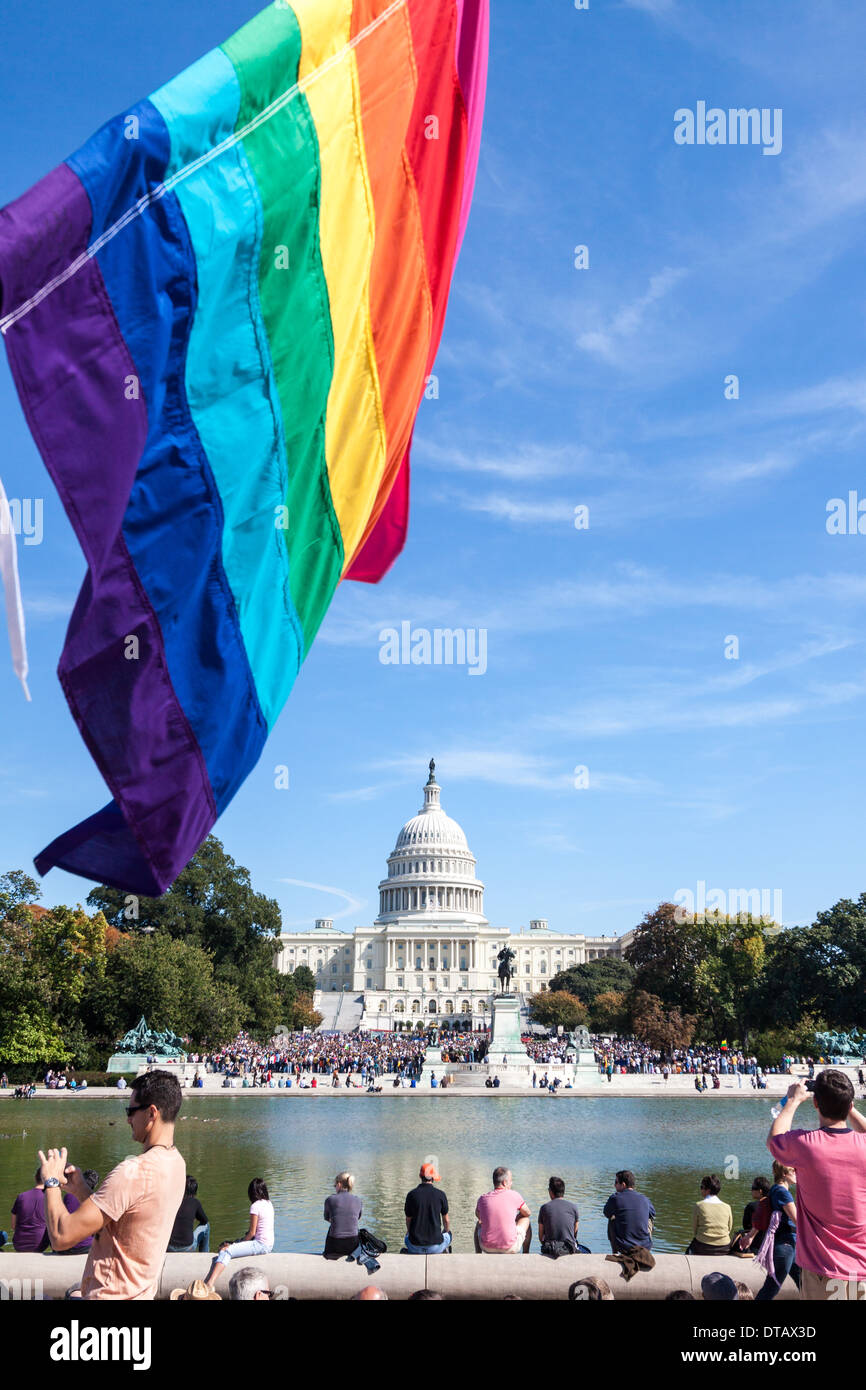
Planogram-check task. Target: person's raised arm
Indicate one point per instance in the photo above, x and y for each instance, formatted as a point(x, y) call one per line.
point(795, 1096)
point(856, 1120)
point(67, 1228)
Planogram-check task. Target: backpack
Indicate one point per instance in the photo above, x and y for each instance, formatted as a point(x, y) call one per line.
point(761, 1215)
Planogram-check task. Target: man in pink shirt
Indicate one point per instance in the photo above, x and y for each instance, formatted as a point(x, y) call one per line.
point(132, 1214)
point(504, 1220)
point(831, 1186)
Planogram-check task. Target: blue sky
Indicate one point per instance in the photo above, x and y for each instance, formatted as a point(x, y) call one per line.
point(558, 387)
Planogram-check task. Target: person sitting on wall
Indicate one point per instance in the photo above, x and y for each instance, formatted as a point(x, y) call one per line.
point(504, 1221)
point(630, 1215)
point(428, 1225)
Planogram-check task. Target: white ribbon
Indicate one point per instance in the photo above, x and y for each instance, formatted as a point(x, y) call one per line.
point(12, 591)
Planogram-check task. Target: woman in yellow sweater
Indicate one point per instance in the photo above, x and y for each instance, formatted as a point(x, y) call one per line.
point(713, 1220)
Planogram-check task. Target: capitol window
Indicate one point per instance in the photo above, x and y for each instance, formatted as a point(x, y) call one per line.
point(399, 981)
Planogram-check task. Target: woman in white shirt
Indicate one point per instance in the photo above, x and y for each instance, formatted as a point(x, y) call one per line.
point(259, 1239)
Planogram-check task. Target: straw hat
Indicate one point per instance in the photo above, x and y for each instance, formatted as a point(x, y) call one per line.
point(198, 1292)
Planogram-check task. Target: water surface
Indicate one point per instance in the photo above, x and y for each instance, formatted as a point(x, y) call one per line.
point(298, 1146)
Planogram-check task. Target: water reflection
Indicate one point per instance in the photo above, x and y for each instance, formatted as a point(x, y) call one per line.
point(299, 1145)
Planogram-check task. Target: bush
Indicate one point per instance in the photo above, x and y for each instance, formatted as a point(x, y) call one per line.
point(773, 1043)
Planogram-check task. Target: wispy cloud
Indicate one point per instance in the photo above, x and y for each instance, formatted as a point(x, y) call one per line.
point(679, 703)
point(46, 606)
point(520, 463)
point(353, 903)
point(606, 340)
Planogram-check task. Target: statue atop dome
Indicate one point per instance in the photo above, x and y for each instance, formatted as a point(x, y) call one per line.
point(432, 778)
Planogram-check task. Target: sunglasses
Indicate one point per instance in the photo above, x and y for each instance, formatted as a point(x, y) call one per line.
point(131, 1109)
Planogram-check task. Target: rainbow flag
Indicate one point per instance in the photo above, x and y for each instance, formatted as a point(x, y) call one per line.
point(221, 314)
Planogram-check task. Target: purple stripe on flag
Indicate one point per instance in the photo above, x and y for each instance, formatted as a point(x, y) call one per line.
point(71, 365)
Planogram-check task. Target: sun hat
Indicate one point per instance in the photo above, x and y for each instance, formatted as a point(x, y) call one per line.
point(428, 1171)
point(197, 1292)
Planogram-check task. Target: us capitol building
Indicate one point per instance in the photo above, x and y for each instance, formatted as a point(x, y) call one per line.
point(431, 951)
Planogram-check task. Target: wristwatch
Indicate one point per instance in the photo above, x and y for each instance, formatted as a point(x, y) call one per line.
point(51, 1182)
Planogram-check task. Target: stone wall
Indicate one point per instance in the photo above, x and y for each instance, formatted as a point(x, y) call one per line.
point(470, 1277)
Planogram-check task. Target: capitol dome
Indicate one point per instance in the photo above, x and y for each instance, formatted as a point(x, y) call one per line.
point(431, 869)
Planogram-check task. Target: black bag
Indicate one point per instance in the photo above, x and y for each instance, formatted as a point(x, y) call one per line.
point(555, 1248)
point(371, 1244)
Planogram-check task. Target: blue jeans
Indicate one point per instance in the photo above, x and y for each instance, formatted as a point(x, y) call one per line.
point(428, 1249)
point(200, 1243)
point(784, 1255)
point(238, 1249)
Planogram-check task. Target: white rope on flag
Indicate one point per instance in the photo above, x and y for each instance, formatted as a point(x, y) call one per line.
point(160, 191)
point(12, 591)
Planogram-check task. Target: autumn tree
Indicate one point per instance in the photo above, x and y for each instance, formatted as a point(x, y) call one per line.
point(654, 1022)
point(552, 1008)
point(609, 1012)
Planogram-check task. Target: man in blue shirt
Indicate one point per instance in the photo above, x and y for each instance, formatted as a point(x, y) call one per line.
point(630, 1215)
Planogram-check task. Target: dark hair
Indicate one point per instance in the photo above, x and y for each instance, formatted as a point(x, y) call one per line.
point(258, 1190)
point(762, 1184)
point(161, 1089)
point(91, 1177)
point(626, 1176)
point(833, 1094)
point(588, 1290)
point(679, 1296)
point(712, 1184)
point(499, 1176)
point(557, 1187)
point(424, 1296)
point(37, 1176)
point(191, 1186)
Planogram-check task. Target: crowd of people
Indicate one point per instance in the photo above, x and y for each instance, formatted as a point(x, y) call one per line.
point(304, 1056)
point(808, 1222)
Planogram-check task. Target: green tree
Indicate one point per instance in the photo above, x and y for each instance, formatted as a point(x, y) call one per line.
point(17, 890)
point(552, 1008)
point(213, 906)
point(304, 980)
point(666, 952)
point(595, 977)
point(817, 971)
point(172, 983)
point(729, 974)
point(31, 1036)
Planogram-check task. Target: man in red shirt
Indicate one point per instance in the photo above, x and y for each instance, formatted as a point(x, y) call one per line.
point(504, 1220)
point(831, 1186)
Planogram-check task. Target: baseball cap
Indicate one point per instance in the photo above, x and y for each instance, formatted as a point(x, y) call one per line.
point(428, 1171)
